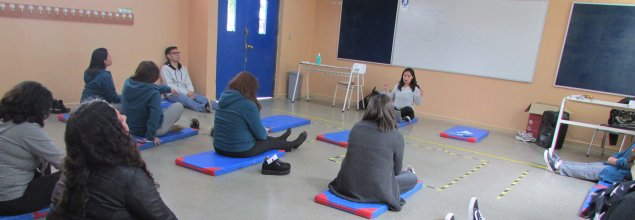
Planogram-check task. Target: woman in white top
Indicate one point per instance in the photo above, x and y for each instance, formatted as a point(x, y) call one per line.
point(406, 94)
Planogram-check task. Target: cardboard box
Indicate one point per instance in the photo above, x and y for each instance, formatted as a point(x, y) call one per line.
point(535, 110)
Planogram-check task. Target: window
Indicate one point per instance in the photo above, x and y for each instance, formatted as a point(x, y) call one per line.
point(231, 15)
point(262, 15)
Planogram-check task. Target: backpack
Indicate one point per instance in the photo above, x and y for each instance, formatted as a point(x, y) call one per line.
point(367, 98)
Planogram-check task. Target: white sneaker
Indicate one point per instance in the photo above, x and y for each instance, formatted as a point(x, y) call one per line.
point(449, 216)
point(411, 169)
point(474, 212)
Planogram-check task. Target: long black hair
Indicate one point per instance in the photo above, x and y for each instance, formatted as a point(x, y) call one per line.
point(413, 82)
point(95, 139)
point(97, 61)
point(28, 101)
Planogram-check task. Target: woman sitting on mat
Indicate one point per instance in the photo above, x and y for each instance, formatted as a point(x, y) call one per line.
point(372, 168)
point(406, 94)
point(26, 151)
point(98, 83)
point(238, 130)
point(104, 176)
point(141, 101)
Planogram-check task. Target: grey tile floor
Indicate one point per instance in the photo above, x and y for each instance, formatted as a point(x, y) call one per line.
point(453, 171)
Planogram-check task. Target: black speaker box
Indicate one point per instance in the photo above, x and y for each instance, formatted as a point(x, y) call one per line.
point(547, 128)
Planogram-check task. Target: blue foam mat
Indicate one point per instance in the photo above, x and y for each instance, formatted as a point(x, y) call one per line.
point(339, 138)
point(282, 122)
point(465, 133)
point(143, 144)
point(404, 123)
point(367, 210)
point(210, 163)
point(28, 216)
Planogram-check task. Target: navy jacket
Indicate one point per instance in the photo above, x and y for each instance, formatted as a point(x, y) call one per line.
point(99, 86)
point(141, 103)
point(237, 123)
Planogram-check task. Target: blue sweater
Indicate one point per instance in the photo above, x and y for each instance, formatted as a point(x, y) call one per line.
point(237, 123)
point(101, 86)
point(141, 103)
point(619, 172)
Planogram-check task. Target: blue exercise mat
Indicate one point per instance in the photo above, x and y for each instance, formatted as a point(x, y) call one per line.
point(465, 133)
point(28, 216)
point(143, 144)
point(282, 122)
point(210, 163)
point(339, 138)
point(584, 208)
point(404, 123)
point(165, 103)
point(366, 210)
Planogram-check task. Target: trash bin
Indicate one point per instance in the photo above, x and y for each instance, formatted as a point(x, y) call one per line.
point(291, 85)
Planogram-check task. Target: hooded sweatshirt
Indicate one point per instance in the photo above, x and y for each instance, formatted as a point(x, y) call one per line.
point(101, 86)
point(24, 146)
point(141, 103)
point(237, 123)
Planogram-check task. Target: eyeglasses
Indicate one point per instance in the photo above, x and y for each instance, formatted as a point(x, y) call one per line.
point(175, 53)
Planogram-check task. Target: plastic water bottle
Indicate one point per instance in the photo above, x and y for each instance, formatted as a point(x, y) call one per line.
point(318, 59)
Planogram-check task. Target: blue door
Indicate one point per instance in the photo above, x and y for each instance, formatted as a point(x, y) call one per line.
point(247, 41)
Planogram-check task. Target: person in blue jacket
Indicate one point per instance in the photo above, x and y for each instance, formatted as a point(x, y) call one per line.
point(615, 170)
point(141, 102)
point(98, 83)
point(238, 130)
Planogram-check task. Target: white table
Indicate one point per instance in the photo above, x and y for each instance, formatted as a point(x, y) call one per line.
point(580, 99)
point(308, 67)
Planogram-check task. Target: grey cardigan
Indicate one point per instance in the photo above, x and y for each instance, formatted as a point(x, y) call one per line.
point(372, 161)
point(22, 147)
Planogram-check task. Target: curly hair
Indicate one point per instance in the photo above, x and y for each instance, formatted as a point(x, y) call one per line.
point(95, 139)
point(28, 101)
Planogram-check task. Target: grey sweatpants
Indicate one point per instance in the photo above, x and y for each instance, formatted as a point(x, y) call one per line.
point(585, 171)
point(170, 116)
point(406, 180)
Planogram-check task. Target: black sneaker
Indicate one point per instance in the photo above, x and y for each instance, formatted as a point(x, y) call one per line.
point(298, 141)
point(62, 107)
point(474, 211)
point(194, 124)
point(273, 166)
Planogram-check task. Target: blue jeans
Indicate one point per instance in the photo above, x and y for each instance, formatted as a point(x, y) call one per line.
point(585, 171)
point(197, 103)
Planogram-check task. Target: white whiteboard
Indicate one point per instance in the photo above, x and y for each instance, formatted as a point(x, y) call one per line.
point(491, 38)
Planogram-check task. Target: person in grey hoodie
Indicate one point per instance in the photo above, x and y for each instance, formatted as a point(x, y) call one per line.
point(372, 168)
point(26, 151)
point(141, 102)
point(98, 83)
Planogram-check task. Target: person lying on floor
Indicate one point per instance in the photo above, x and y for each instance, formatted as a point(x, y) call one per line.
point(616, 169)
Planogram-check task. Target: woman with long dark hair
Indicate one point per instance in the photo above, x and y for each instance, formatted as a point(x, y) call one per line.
point(26, 151)
point(372, 168)
point(406, 94)
point(98, 83)
point(238, 130)
point(141, 102)
point(104, 176)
